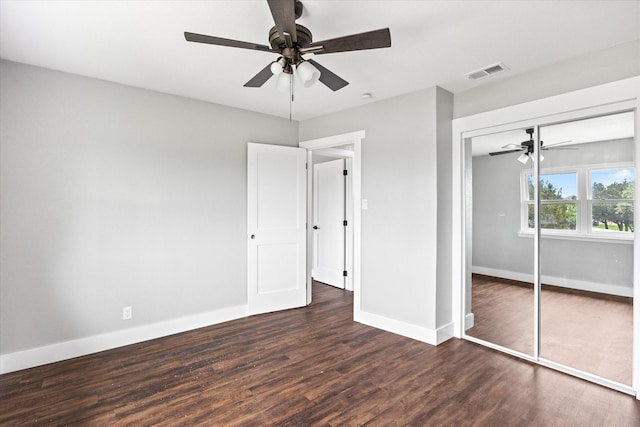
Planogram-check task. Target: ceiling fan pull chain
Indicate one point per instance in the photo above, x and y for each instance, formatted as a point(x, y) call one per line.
point(291, 93)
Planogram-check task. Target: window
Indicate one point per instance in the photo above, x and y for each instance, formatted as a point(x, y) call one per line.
point(583, 202)
point(611, 201)
point(558, 201)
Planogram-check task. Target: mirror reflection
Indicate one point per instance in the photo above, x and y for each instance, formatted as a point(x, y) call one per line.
point(586, 249)
point(586, 193)
point(501, 270)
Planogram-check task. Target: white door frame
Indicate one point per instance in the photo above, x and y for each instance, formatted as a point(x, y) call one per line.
point(329, 146)
point(603, 99)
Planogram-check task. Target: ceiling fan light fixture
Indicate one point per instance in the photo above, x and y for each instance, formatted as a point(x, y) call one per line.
point(277, 66)
point(283, 83)
point(307, 73)
point(523, 158)
point(533, 158)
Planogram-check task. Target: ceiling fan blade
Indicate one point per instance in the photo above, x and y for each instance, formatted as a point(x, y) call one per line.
point(512, 146)
point(370, 40)
point(559, 148)
point(260, 78)
point(554, 144)
point(496, 153)
point(219, 41)
point(283, 12)
point(328, 78)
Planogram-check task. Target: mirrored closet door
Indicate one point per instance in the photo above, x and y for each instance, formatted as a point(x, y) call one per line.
point(500, 297)
point(549, 243)
point(586, 216)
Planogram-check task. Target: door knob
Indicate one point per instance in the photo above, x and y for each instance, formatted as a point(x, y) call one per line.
point(253, 236)
point(315, 227)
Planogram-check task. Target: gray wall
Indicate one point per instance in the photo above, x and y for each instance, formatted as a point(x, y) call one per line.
point(114, 196)
point(496, 221)
point(400, 229)
point(444, 115)
point(617, 63)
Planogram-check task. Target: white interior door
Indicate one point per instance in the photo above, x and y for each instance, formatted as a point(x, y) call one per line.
point(276, 226)
point(328, 222)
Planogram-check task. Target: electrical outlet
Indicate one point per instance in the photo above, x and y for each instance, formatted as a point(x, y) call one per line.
point(127, 312)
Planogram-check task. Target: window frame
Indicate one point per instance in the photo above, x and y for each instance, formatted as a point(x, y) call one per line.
point(584, 203)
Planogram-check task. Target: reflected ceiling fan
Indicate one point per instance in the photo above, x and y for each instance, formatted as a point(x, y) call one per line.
point(527, 148)
point(291, 41)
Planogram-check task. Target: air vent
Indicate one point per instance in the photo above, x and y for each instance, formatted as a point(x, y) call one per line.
point(487, 71)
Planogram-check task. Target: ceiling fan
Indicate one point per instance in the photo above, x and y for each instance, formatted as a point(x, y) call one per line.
point(291, 41)
point(527, 148)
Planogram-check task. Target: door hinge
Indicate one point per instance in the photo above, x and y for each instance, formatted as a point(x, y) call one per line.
point(344, 222)
point(345, 173)
point(344, 273)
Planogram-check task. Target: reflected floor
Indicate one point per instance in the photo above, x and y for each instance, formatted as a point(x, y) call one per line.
point(585, 330)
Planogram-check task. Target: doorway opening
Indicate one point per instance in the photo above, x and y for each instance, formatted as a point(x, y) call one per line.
point(330, 221)
point(346, 147)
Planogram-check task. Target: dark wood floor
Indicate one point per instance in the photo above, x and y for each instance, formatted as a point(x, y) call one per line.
point(303, 367)
point(584, 330)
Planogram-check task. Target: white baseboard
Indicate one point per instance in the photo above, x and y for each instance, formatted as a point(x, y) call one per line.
point(420, 333)
point(469, 321)
point(444, 333)
point(582, 285)
point(81, 347)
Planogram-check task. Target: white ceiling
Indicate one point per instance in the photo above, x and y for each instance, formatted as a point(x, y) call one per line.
point(141, 43)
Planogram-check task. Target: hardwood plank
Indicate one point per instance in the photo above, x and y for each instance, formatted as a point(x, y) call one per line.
point(585, 330)
point(305, 367)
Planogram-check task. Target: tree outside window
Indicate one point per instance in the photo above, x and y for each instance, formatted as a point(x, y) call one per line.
point(612, 193)
point(558, 208)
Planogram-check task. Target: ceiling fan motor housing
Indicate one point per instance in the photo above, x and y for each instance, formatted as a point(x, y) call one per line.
point(303, 34)
point(291, 54)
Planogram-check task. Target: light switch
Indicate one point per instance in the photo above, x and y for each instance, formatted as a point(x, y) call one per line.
point(365, 204)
